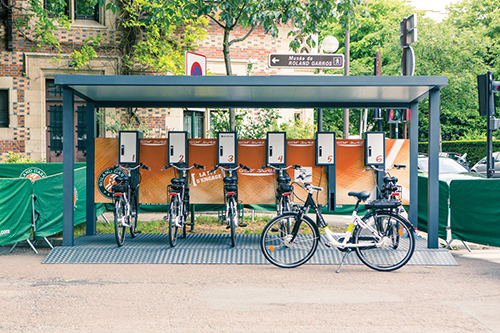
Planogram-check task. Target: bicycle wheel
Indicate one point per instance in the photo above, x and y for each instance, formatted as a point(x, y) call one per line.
point(389, 246)
point(281, 248)
point(120, 221)
point(232, 216)
point(173, 220)
point(133, 214)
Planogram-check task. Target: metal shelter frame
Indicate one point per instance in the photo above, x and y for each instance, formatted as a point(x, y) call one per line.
point(319, 91)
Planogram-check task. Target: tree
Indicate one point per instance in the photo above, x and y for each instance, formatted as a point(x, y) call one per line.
point(270, 14)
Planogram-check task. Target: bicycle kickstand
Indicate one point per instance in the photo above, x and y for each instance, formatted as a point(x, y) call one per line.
point(343, 259)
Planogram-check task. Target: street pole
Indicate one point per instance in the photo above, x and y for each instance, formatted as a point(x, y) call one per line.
point(346, 73)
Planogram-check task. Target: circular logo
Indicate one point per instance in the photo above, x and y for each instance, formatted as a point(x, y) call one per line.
point(106, 180)
point(33, 173)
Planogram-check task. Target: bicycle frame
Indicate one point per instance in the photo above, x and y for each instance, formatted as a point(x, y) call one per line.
point(355, 221)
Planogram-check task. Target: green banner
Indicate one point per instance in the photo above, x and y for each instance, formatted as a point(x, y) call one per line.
point(32, 170)
point(444, 193)
point(48, 192)
point(475, 213)
point(15, 215)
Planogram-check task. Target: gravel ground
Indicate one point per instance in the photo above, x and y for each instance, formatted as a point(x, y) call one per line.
point(37, 297)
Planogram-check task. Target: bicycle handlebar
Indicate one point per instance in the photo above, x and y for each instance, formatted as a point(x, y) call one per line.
point(295, 166)
point(125, 168)
point(197, 166)
point(244, 167)
point(396, 166)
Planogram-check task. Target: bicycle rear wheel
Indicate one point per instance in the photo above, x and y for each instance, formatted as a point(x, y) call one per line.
point(284, 250)
point(232, 216)
point(390, 246)
point(173, 220)
point(120, 220)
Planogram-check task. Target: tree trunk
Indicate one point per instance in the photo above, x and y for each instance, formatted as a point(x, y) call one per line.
point(346, 73)
point(229, 72)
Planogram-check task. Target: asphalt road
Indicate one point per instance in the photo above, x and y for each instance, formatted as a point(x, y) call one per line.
point(37, 297)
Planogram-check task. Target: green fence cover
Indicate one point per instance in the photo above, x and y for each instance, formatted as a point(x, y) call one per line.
point(444, 192)
point(475, 212)
point(49, 202)
point(21, 170)
point(15, 215)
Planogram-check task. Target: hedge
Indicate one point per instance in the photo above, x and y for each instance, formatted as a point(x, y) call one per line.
point(475, 149)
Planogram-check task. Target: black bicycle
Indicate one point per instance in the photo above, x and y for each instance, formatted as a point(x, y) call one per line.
point(125, 192)
point(383, 239)
point(231, 215)
point(283, 189)
point(178, 192)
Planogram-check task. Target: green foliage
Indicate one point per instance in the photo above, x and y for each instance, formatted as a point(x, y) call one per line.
point(115, 122)
point(13, 157)
point(267, 120)
point(475, 149)
point(460, 47)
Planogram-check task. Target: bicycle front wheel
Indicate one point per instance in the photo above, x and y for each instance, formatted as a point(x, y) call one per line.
point(173, 220)
point(120, 221)
point(390, 243)
point(284, 249)
point(232, 216)
point(134, 207)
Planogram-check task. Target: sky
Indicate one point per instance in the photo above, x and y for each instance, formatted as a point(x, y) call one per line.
point(436, 8)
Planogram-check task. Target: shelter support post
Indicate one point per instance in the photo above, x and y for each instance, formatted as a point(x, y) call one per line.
point(91, 130)
point(433, 189)
point(68, 166)
point(320, 120)
point(413, 165)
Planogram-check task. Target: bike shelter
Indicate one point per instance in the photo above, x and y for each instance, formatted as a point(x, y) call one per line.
point(319, 91)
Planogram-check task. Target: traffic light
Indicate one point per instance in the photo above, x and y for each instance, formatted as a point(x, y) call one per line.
point(486, 87)
point(395, 116)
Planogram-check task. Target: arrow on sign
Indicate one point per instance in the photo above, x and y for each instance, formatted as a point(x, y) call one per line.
point(275, 60)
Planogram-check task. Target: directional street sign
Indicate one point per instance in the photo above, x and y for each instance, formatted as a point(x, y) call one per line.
point(306, 60)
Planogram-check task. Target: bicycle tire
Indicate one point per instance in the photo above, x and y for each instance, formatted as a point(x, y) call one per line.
point(398, 241)
point(172, 217)
point(119, 215)
point(133, 214)
point(278, 249)
point(232, 219)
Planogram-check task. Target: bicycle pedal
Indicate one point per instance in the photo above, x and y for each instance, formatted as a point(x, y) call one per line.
point(328, 244)
point(274, 229)
point(138, 231)
point(228, 226)
point(243, 225)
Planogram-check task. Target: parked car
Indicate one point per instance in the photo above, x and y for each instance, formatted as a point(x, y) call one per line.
point(449, 169)
point(480, 167)
point(462, 159)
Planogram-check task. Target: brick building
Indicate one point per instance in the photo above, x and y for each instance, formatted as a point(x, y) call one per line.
point(31, 105)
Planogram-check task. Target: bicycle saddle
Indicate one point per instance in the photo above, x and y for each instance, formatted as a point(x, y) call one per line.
point(284, 179)
point(363, 195)
point(230, 179)
point(122, 179)
point(178, 181)
point(390, 179)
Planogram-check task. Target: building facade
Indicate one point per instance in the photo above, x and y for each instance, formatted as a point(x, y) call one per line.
point(31, 105)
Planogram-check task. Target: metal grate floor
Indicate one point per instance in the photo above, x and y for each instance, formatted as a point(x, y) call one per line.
point(206, 249)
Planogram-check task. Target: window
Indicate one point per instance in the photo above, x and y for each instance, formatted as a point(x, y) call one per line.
point(193, 123)
point(54, 106)
point(81, 9)
point(4, 108)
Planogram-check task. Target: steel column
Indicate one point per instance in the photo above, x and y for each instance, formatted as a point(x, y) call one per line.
point(433, 189)
point(90, 143)
point(68, 166)
point(413, 165)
